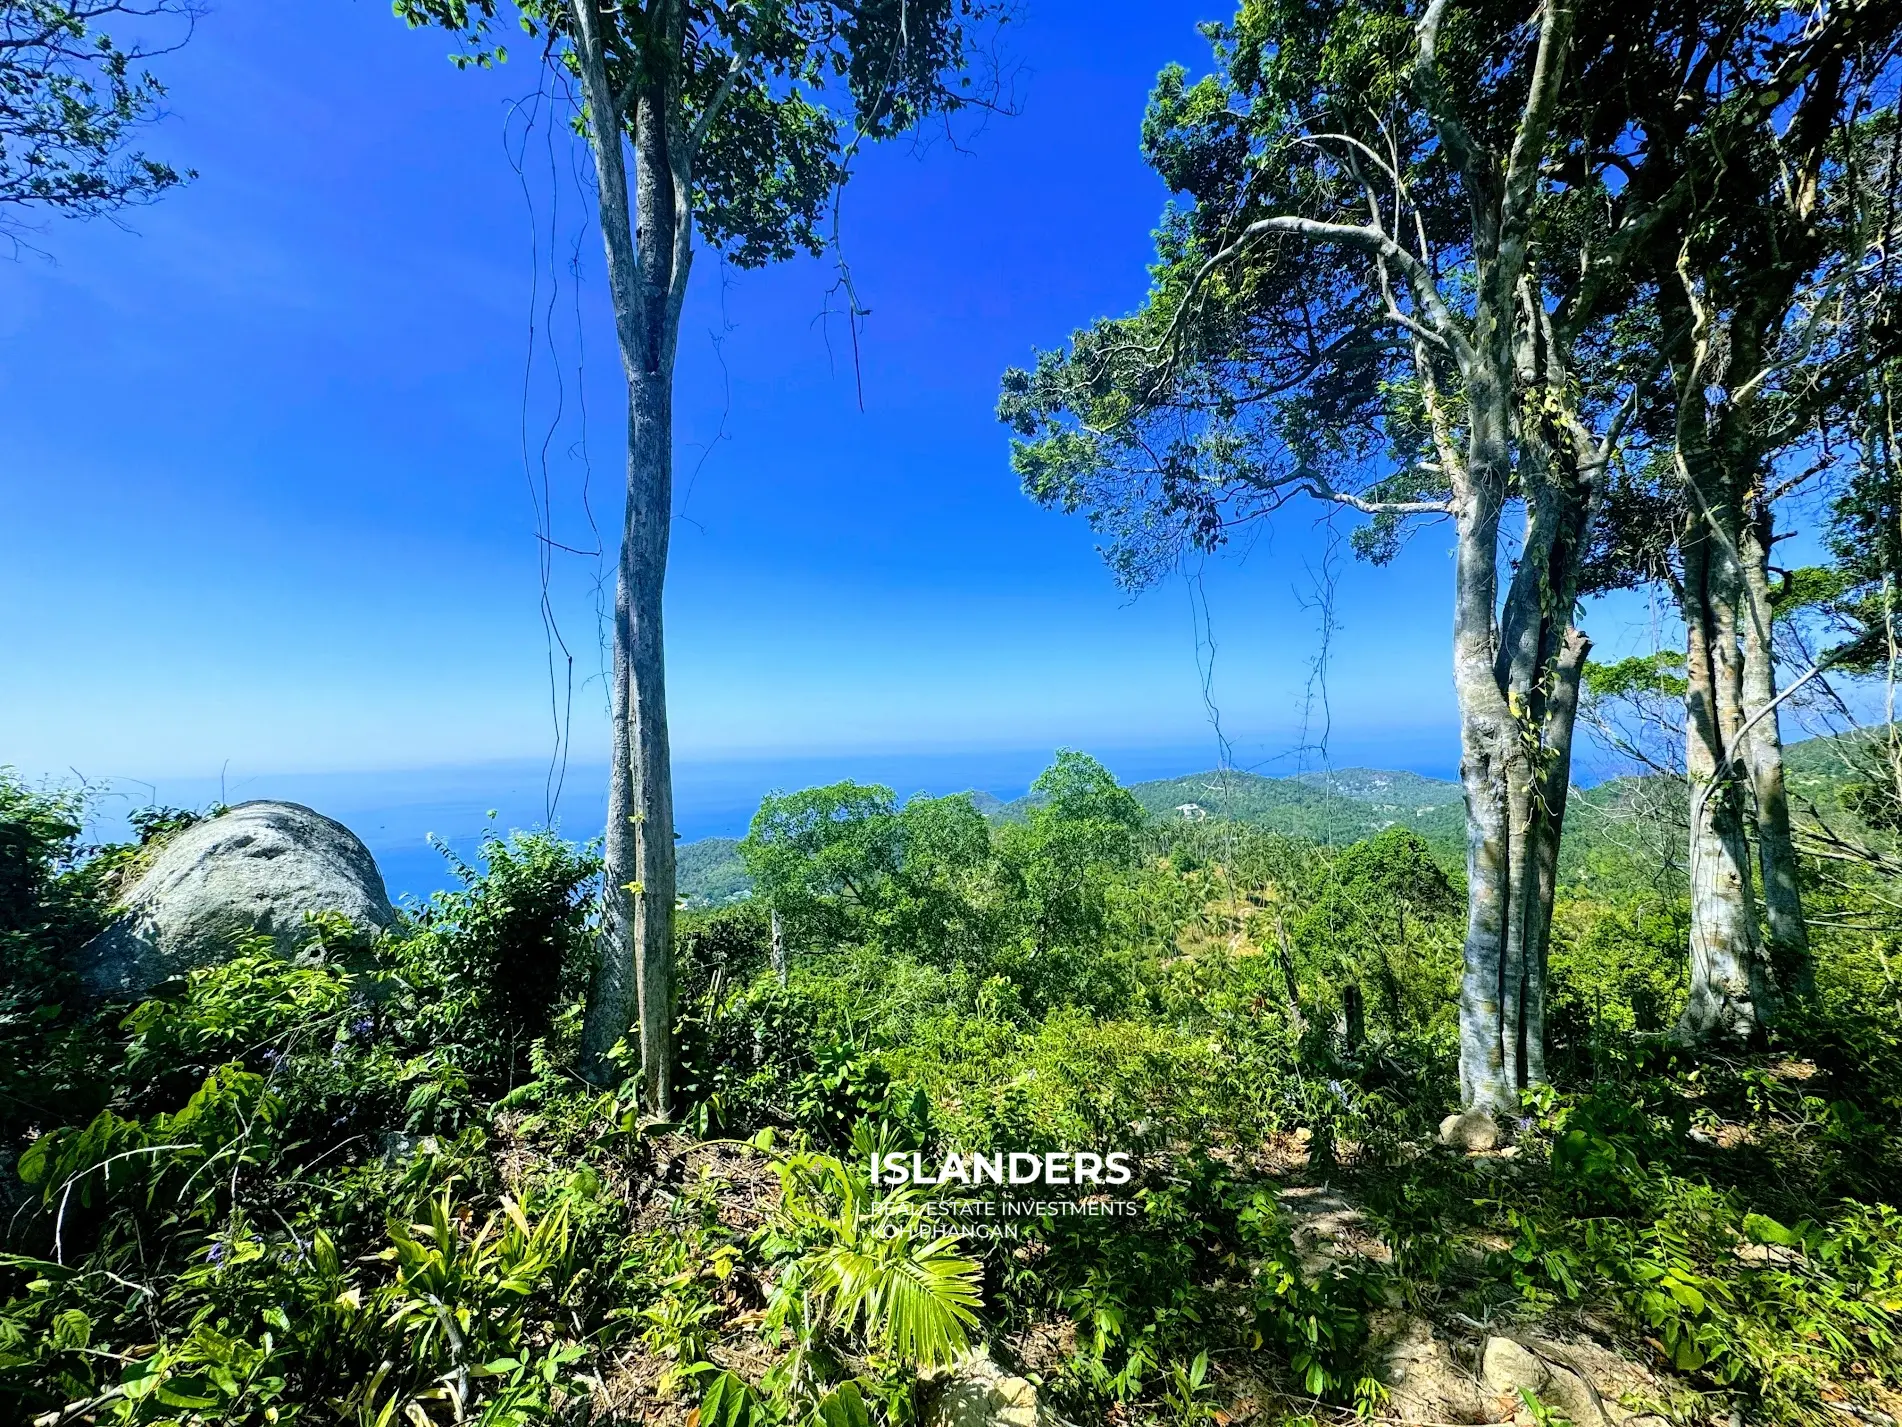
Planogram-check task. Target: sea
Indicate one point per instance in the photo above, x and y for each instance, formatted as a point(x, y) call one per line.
point(407, 816)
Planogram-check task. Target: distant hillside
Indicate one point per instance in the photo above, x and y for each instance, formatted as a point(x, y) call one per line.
point(1632, 830)
point(1624, 826)
point(1638, 826)
point(1344, 805)
point(1339, 807)
point(709, 873)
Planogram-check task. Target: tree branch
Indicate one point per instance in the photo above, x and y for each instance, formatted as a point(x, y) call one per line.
point(1376, 242)
point(1467, 156)
point(1535, 122)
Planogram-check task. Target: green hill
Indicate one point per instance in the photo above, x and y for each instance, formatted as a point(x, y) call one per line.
point(1341, 806)
point(1634, 829)
point(709, 873)
point(1338, 807)
point(1623, 827)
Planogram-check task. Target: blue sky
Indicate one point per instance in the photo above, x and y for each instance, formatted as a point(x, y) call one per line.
point(263, 500)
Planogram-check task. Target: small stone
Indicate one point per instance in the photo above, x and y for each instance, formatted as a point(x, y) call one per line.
point(1472, 1130)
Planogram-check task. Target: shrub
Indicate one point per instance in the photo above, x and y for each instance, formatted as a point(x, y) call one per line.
point(489, 963)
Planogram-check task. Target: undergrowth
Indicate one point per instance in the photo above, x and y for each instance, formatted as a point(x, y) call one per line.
point(368, 1187)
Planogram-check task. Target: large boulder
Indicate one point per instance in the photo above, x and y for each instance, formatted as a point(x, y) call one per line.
point(258, 868)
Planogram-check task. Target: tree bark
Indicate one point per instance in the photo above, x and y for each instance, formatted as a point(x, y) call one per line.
point(1516, 768)
point(1489, 754)
point(1517, 675)
point(646, 845)
point(1730, 994)
point(1501, 656)
point(1555, 786)
point(1501, 670)
point(1353, 1018)
point(1785, 929)
point(648, 253)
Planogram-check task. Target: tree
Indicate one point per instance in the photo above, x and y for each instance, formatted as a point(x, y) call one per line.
point(1375, 899)
point(845, 864)
point(739, 118)
point(1439, 270)
point(1351, 311)
point(821, 858)
point(1755, 248)
point(1081, 829)
point(71, 100)
point(1733, 278)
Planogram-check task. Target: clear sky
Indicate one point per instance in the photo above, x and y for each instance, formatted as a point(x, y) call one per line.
point(264, 506)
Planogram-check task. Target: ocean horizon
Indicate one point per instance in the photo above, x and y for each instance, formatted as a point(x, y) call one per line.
point(398, 812)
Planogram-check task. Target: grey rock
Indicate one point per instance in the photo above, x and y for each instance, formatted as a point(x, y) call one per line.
point(1432, 1380)
point(975, 1392)
point(257, 869)
point(399, 1146)
point(1474, 1130)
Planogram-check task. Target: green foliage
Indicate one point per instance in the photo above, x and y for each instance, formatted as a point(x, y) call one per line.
point(1615, 972)
point(822, 855)
point(1257, 369)
point(50, 905)
point(877, 1267)
point(156, 823)
point(710, 873)
point(1856, 595)
point(730, 1401)
point(1337, 807)
point(1727, 1293)
point(782, 95)
point(1031, 900)
point(74, 102)
point(353, 1188)
point(1080, 834)
point(1208, 1268)
point(490, 962)
point(1657, 674)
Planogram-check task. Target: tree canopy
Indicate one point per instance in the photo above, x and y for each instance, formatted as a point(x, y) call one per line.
point(771, 99)
point(72, 99)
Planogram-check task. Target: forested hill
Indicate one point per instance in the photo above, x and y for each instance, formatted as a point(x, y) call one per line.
point(1642, 819)
point(709, 872)
point(1345, 805)
point(1338, 807)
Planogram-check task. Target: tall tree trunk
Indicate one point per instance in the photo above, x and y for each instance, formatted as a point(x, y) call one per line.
point(1786, 931)
point(1512, 833)
point(648, 251)
point(647, 848)
point(1493, 771)
point(1730, 994)
point(1555, 786)
point(1497, 656)
point(632, 983)
point(1353, 1018)
point(1518, 711)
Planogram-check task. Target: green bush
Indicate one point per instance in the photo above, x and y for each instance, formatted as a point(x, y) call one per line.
point(489, 965)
